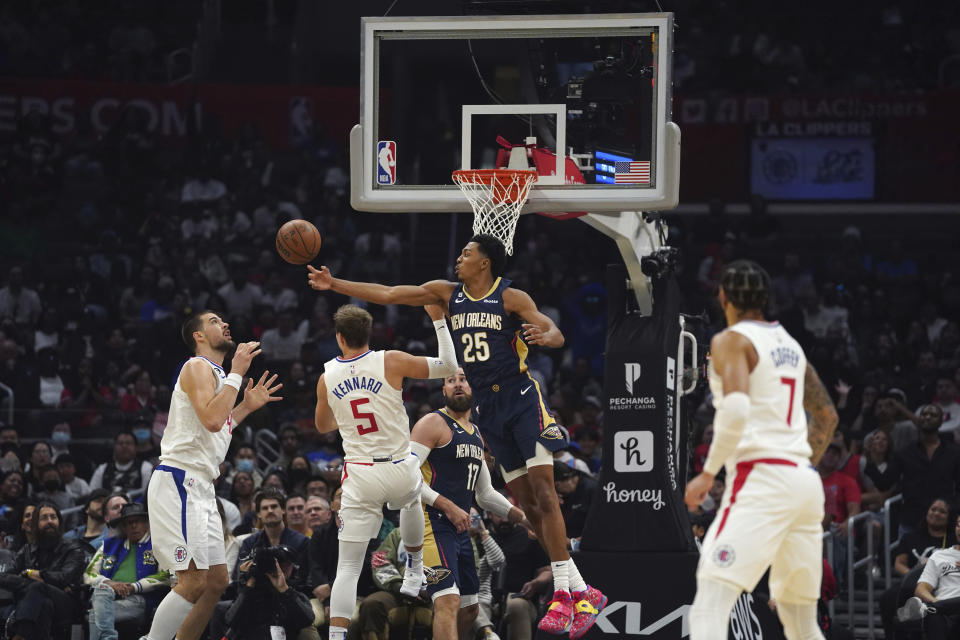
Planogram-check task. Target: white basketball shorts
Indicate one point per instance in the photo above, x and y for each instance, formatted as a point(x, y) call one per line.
point(367, 486)
point(184, 521)
point(770, 516)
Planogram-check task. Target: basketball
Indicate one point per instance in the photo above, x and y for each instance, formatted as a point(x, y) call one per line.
point(298, 242)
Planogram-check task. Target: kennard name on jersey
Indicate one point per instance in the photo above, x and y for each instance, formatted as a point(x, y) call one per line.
point(357, 383)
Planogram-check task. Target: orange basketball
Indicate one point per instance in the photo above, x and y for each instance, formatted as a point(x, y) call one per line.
point(298, 242)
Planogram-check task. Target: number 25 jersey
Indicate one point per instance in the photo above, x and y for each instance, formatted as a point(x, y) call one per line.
point(369, 412)
point(487, 338)
point(776, 424)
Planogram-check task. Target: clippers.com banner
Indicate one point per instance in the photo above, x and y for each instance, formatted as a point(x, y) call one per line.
point(286, 116)
point(640, 503)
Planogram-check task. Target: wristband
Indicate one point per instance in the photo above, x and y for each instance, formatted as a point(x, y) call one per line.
point(234, 380)
point(440, 324)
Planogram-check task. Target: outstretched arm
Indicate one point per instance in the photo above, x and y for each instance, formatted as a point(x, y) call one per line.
point(433, 292)
point(823, 415)
point(538, 328)
point(400, 364)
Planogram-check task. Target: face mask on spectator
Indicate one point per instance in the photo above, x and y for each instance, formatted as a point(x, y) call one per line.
point(141, 435)
point(60, 438)
point(245, 464)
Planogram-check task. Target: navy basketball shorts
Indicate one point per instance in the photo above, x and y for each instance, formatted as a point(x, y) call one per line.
point(514, 418)
point(448, 561)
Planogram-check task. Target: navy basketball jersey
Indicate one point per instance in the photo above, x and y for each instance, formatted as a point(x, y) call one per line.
point(491, 349)
point(452, 470)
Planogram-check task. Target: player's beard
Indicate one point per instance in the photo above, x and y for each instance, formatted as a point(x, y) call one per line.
point(225, 346)
point(459, 403)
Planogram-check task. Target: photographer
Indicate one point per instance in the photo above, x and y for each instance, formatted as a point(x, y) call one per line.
point(267, 603)
point(260, 601)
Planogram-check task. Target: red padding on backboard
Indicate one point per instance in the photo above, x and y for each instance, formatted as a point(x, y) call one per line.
point(545, 162)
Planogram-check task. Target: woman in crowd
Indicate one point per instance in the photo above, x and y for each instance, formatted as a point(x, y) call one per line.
point(298, 473)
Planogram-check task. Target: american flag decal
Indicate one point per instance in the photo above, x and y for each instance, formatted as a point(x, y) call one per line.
point(631, 172)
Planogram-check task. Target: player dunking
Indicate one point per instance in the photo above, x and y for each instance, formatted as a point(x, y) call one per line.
point(454, 472)
point(185, 525)
point(771, 512)
point(359, 393)
point(492, 324)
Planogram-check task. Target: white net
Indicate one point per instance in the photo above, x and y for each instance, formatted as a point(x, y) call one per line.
point(496, 197)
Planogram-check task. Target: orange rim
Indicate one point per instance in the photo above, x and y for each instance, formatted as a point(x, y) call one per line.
point(501, 181)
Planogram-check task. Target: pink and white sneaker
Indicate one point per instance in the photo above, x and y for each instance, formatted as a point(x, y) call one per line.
point(559, 614)
point(587, 606)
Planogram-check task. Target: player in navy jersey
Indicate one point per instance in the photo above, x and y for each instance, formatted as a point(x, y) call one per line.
point(454, 471)
point(492, 325)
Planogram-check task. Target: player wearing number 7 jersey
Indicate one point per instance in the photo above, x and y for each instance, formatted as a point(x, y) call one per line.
point(359, 393)
point(492, 325)
point(771, 512)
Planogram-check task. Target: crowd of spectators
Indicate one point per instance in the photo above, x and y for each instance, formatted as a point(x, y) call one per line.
point(110, 40)
point(108, 242)
point(898, 46)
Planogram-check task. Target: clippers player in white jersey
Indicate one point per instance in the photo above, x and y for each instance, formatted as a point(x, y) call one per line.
point(772, 509)
point(185, 526)
point(360, 394)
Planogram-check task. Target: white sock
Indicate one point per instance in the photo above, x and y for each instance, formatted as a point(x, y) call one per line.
point(337, 633)
point(799, 620)
point(169, 616)
point(415, 561)
point(576, 581)
point(561, 576)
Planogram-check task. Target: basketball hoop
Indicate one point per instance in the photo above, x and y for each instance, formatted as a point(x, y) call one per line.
point(496, 195)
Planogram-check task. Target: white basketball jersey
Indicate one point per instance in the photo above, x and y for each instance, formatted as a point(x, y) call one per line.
point(368, 410)
point(186, 443)
point(777, 423)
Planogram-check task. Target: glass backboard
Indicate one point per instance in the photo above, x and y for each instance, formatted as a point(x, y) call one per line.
point(585, 97)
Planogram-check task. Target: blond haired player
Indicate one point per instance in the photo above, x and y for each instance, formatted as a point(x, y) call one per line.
point(771, 511)
point(359, 393)
point(185, 524)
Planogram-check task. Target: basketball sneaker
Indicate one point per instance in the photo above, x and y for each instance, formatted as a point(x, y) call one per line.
point(559, 614)
point(914, 609)
point(588, 605)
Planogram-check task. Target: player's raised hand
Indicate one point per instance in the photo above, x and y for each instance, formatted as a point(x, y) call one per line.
point(435, 311)
point(697, 490)
point(255, 396)
point(320, 279)
point(245, 353)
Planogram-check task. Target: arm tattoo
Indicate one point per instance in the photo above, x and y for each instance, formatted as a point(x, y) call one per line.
point(823, 415)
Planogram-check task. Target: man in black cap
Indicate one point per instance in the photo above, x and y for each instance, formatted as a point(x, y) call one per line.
point(124, 575)
point(95, 529)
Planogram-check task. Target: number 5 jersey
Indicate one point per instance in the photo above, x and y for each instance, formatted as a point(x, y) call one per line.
point(369, 412)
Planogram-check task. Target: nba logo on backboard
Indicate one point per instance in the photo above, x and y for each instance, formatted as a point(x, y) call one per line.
point(386, 162)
